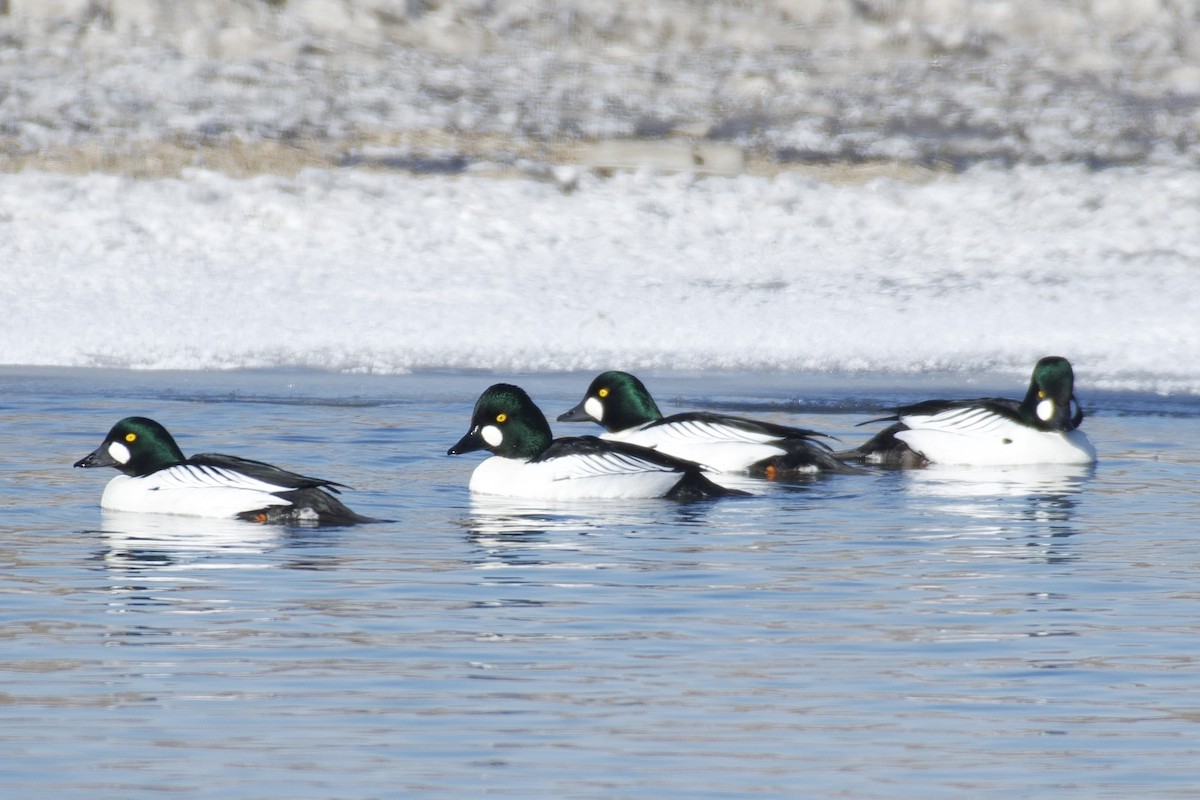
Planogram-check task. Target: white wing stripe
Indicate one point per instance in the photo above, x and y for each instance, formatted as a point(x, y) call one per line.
point(966, 421)
point(595, 465)
point(207, 477)
point(709, 431)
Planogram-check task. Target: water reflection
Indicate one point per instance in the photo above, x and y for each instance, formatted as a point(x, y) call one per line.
point(511, 532)
point(519, 532)
point(140, 542)
point(995, 507)
point(503, 515)
point(163, 564)
point(1048, 480)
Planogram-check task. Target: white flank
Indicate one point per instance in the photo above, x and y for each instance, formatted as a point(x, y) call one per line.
point(977, 436)
point(191, 491)
point(719, 446)
point(572, 477)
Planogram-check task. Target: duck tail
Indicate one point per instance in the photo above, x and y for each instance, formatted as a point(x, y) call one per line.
point(695, 485)
point(309, 507)
point(802, 457)
point(884, 449)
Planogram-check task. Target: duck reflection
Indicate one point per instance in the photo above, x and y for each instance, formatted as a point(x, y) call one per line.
point(515, 532)
point(139, 542)
point(512, 532)
point(505, 515)
point(164, 564)
point(1033, 505)
point(1042, 480)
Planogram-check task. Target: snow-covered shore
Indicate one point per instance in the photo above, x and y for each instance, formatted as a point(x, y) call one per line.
point(371, 271)
point(892, 186)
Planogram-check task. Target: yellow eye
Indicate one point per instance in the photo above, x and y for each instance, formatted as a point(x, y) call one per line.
point(1041, 393)
point(501, 417)
point(131, 437)
point(603, 392)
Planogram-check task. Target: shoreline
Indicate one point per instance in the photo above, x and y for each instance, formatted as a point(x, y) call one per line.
point(776, 390)
point(433, 153)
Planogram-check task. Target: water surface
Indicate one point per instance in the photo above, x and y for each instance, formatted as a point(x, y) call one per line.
point(936, 633)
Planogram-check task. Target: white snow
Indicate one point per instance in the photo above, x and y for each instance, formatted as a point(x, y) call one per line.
point(359, 270)
point(531, 258)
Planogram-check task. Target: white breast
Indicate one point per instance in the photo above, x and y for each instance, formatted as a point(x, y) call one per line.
point(573, 478)
point(977, 436)
point(725, 448)
point(191, 491)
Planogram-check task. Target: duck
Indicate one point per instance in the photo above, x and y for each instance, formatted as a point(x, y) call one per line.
point(620, 403)
point(528, 462)
point(157, 478)
point(1043, 428)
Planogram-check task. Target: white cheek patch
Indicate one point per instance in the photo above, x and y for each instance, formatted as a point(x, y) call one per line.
point(119, 453)
point(1045, 410)
point(492, 435)
point(594, 409)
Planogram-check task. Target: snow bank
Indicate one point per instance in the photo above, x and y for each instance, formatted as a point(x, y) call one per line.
point(362, 271)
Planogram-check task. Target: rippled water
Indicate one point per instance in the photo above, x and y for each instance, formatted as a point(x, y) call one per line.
point(938, 633)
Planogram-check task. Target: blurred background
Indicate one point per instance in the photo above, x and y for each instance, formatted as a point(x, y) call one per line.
point(916, 185)
point(145, 87)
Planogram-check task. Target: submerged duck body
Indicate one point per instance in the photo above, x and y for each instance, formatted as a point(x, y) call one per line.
point(527, 462)
point(157, 478)
point(1041, 429)
point(621, 403)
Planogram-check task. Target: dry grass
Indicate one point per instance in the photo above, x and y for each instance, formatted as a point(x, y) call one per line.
point(492, 155)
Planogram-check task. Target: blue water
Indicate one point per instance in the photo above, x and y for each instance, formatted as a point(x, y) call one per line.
point(933, 634)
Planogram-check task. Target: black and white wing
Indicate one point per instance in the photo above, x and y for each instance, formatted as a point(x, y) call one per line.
point(246, 473)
